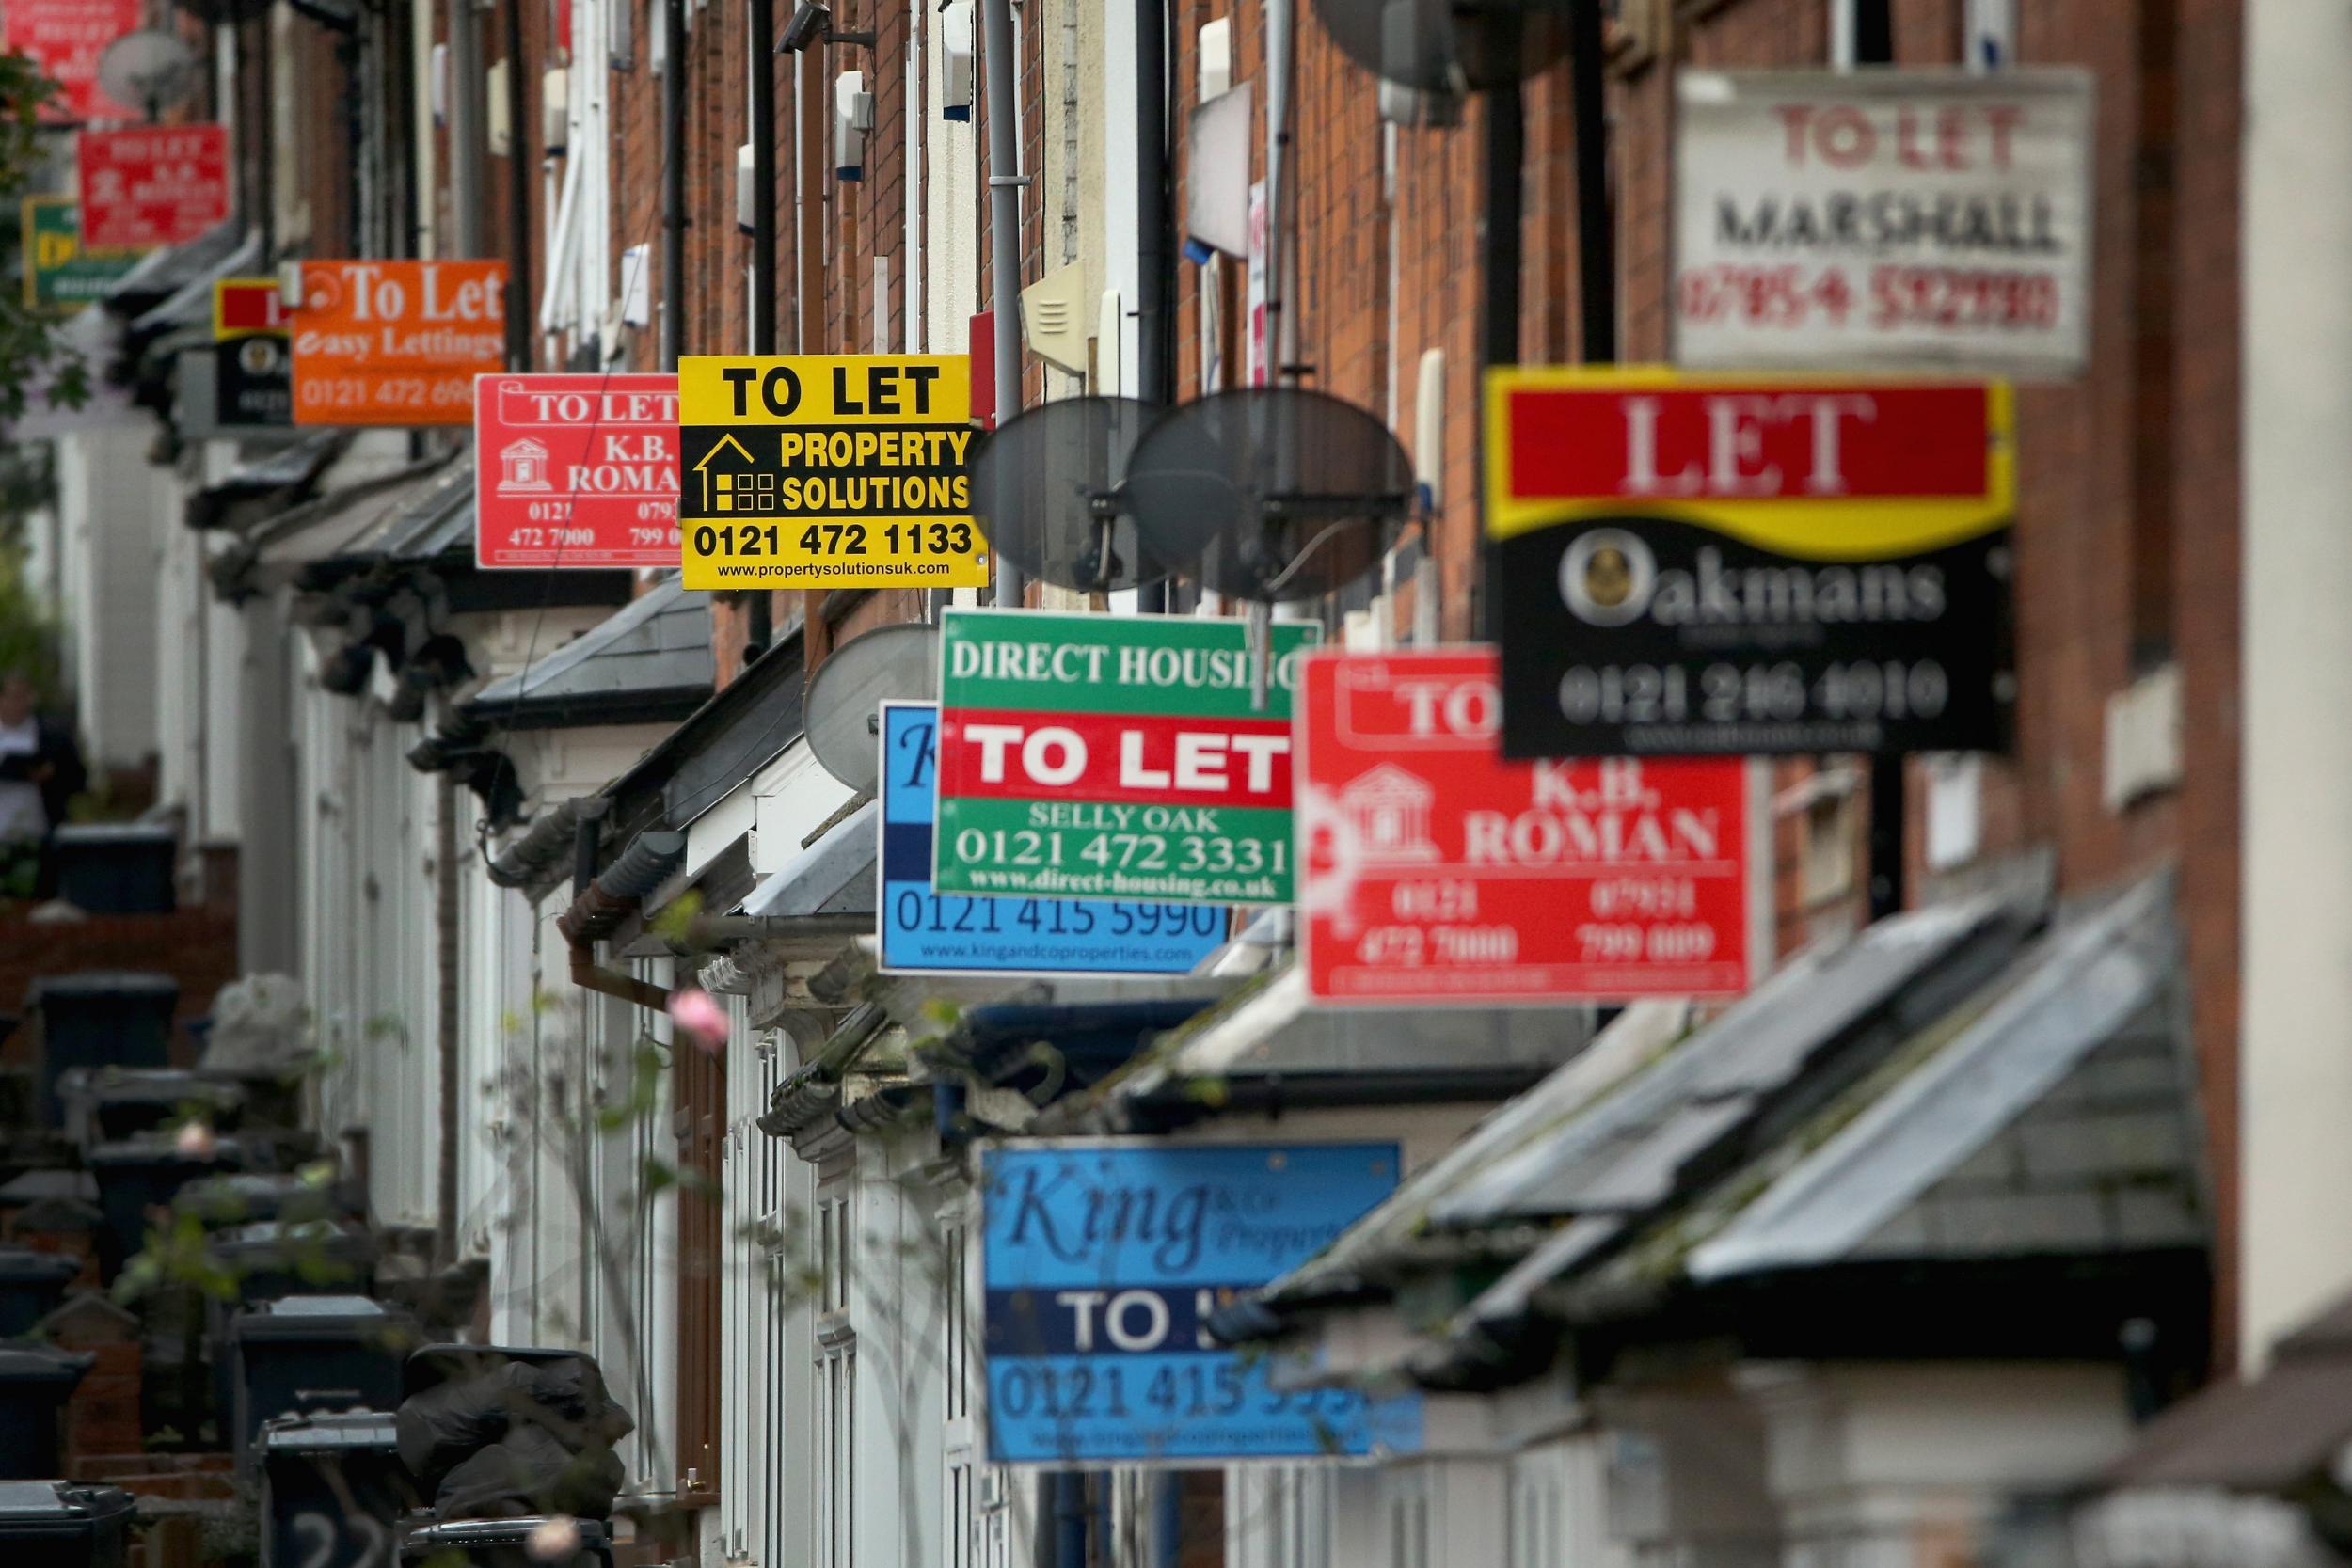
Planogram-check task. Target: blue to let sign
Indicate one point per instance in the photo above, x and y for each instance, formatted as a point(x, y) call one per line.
point(1100, 1263)
point(926, 931)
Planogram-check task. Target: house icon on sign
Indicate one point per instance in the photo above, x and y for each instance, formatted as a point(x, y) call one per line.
point(725, 491)
point(1389, 810)
point(523, 466)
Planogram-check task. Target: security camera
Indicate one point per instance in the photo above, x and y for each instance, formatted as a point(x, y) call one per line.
point(812, 23)
point(812, 20)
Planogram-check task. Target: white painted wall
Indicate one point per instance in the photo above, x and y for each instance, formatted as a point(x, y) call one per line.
point(200, 670)
point(951, 174)
point(1868, 1463)
point(367, 899)
point(108, 503)
point(2294, 1163)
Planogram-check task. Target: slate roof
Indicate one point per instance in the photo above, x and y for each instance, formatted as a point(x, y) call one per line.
point(285, 546)
point(282, 470)
point(161, 274)
point(189, 303)
point(650, 661)
point(429, 516)
point(1938, 1090)
point(1609, 1139)
point(833, 876)
point(2059, 1116)
point(1272, 1034)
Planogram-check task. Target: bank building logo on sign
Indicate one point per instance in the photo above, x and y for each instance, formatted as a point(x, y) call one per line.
point(523, 467)
point(1387, 813)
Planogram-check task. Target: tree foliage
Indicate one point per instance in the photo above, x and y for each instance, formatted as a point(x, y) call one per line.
point(30, 354)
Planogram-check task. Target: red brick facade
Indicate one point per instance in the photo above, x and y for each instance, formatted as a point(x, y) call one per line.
point(2127, 521)
point(2127, 527)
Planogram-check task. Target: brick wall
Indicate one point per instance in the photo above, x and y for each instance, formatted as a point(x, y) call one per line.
point(197, 947)
point(2108, 584)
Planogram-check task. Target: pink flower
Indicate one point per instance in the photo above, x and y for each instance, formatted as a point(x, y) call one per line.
point(700, 1018)
point(195, 1141)
point(555, 1539)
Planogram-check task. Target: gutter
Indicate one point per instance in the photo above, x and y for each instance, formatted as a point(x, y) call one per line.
point(617, 893)
point(815, 1091)
point(530, 857)
point(1176, 1105)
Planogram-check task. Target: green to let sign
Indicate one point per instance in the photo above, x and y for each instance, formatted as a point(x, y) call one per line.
point(1113, 756)
point(60, 274)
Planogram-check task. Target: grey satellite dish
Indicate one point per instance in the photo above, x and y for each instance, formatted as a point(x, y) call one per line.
point(1046, 487)
point(1269, 493)
point(1450, 46)
point(842, 715)
point(149, 71)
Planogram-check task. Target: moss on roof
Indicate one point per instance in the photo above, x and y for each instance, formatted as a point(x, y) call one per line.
point(1656, 1258)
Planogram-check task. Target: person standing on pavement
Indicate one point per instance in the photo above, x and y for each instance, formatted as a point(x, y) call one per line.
point(41, 772)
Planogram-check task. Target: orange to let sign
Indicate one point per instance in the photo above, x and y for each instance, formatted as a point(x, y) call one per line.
point(395, 342)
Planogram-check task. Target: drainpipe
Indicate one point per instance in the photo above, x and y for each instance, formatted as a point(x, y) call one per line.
point(1070, 1519)
point(265, 144)
point(587, 824)
point(1281, 51)
point(762, 54)
point(445, 920)
point(1005, 180)
point(466, 142)
point(614, 894)
point(1156, 250)
point(673, 181)
point(519, 322)
point(1167, 1518)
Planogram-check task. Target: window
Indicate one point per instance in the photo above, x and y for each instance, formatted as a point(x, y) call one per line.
point(1537, 1539)
point(1407, 1517)
point(1861, 32)
point(1830, 822)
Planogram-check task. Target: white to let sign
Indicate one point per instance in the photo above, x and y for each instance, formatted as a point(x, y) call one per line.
point(1929, 219)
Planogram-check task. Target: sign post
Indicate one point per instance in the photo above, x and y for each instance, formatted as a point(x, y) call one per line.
point(1113, 756)
point(576, 470)
point(1935, 219)
point(1436, 872)
point(152, 185)
point(1100, 1264)
point(62, 273)
point(395, 342)
point(924, 931)
point(828, 471)
point(1720, 564)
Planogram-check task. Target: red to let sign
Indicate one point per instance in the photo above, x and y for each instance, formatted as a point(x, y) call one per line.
point(576, 470)
point(158, 184)
point(66, 38)
point(1433, 870)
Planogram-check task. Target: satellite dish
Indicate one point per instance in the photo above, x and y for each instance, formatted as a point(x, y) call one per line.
point(1450, 46)
point(842, 715)
point(1045, 485)
point(149, 71)
point(1269, 493)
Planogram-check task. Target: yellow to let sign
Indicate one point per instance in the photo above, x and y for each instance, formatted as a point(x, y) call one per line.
point(827, 471)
